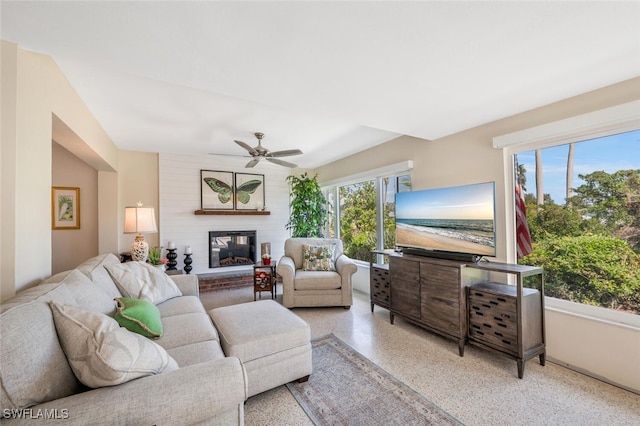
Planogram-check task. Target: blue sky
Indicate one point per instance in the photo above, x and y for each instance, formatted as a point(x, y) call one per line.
point(611, 153)
point(459, 202)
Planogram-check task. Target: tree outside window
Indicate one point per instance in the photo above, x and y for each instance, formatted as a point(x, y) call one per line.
point(583, 208)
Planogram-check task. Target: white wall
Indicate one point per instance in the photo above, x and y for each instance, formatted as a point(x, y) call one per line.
point(179, 184)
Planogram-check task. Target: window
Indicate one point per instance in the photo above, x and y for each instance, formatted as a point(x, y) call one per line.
point(362, 213)
point(583, 209)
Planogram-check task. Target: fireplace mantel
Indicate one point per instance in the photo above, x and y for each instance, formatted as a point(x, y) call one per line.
point(232, 212)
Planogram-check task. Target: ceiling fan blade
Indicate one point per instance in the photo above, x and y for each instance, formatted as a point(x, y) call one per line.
point(282, 163)
point(253, 162)
point(229, 155)
point(286, 153)
point(247, 147)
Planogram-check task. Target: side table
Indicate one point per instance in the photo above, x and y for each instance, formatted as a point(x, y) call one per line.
point(264, 279)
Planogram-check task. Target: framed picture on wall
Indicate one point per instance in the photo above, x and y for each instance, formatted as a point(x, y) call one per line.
point(249, 191)
point(216, 190)
point(65, 207)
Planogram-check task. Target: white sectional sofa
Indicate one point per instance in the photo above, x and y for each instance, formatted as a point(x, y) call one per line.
point(37, 381)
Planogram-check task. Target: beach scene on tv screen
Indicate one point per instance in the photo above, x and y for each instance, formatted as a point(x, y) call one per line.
point(458, 219)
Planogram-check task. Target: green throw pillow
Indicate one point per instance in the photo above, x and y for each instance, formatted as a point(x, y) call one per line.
point(318, 258)
point(139, 316)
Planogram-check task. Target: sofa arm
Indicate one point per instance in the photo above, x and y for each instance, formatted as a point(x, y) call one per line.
point(189, 395)
point(188, 284)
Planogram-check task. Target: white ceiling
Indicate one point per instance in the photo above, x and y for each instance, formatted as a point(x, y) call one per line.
point(329, 78)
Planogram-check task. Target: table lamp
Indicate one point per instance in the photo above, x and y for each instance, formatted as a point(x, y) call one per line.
point(138, 219)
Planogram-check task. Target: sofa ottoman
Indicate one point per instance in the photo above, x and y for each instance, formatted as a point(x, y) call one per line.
point(272, 342)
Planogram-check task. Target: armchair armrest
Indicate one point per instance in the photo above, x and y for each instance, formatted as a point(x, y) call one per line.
point(188, 284)
point(345, 266)
point(189, 395)
point(286, 269)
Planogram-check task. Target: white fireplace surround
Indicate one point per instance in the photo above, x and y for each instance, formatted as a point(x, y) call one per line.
point(179, 197)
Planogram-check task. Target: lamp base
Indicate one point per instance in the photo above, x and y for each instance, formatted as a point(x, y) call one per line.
point(139, 249)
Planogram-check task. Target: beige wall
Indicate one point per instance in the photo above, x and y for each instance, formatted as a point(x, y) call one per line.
point(137, 181)
point(469, 156)
point(70, 247)
point(35, 97)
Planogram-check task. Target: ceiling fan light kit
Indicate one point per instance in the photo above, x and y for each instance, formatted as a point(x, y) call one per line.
point(259, 152)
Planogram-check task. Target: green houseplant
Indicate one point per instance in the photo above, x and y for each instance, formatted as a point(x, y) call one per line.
point(308, 206)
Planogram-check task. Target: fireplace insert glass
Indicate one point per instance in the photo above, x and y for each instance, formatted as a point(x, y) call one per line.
point(232, 248)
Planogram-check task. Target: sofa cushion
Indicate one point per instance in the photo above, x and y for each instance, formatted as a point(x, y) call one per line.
point(101, 353)
point(182, 330)
point(195, 353)
point(139, 316)
point(87, 295)
point(94, 269)
point(34, 366)
point(317, 280)
point(181, 305)
point(141, 280)
point(318, 257)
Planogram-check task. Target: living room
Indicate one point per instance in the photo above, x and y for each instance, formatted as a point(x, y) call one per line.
point(41, 105)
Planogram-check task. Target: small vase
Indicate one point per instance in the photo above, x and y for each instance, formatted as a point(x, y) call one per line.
point(266, 261)
point(161, 266)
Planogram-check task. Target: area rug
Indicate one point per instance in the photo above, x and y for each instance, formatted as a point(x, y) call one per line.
point(346, 388)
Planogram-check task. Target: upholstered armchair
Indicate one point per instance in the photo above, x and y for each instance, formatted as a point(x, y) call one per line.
point(315, 272)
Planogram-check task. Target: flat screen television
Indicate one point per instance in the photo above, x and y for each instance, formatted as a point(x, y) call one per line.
point(458, 219)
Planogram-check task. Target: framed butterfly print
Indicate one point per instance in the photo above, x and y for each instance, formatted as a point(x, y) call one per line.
point(249, 191)
point(216, 190)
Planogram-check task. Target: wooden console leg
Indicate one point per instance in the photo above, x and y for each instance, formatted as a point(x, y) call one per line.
point(542, 357)
point(461, 347)
point(371, 306)
point(520, 369)
point(303, 379)
point(391, 318)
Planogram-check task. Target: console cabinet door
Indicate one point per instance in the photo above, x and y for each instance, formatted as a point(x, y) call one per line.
point(441, 292)
point(405, 287)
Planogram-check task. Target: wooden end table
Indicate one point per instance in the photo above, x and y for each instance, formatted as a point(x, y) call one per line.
point(264, 279)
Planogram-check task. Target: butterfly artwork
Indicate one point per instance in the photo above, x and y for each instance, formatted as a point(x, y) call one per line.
point(222, 191)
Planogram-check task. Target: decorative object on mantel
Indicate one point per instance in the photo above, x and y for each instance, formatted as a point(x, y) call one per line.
point(231, 191)
point(246, 193)
point(259, 152)
point(231, 213)
point(187, 264)
point(139, 219)
point(308, 212)
point(65, 207)
point(172, 256)
point(216, 190)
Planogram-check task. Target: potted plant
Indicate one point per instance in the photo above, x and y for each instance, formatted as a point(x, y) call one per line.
point(308, 207)
point(266, 259)
point(156, 259)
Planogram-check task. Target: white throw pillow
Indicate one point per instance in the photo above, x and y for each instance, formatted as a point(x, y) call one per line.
point(101, 353)
point(140, 280)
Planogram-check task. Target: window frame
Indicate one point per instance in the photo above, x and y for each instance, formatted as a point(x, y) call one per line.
point(605, 122)
point(376, 175)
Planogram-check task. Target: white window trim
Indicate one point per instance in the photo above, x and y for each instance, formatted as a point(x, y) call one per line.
point(605, 122)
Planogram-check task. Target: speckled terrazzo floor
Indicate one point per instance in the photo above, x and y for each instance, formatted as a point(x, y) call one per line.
point(478, 389)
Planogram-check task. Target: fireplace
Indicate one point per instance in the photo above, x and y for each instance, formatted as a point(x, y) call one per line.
point(232, 248)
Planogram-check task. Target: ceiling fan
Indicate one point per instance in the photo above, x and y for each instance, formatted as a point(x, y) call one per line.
point(259, 152)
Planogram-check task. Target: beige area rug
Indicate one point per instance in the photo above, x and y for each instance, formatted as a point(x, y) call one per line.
point(346, 388)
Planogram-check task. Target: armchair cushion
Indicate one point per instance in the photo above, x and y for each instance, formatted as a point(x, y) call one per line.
point(318, 257)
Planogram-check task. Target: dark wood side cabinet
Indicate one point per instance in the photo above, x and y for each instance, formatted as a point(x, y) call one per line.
point(379, 285)
point(508, 319)
point(430, 293)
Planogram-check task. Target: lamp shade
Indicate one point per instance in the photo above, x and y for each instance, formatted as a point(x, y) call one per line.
point(139, 219)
